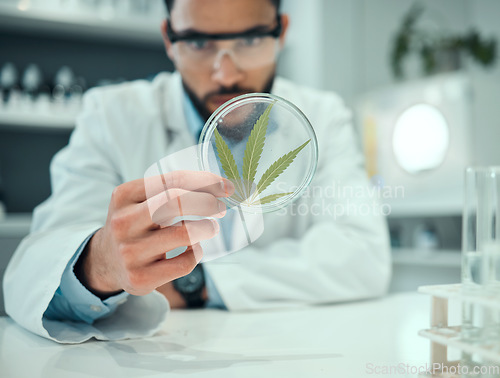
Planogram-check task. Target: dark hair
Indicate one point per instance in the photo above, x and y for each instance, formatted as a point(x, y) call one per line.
point(170, 4)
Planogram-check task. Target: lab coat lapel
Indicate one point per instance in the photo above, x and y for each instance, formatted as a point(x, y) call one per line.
point(173, 116)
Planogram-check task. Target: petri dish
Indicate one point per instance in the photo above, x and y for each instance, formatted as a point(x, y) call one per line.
point(265, 145)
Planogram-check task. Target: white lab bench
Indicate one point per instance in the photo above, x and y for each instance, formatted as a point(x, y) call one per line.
point(342, 340)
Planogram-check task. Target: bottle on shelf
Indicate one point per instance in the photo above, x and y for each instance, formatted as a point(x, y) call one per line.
point(9, 84)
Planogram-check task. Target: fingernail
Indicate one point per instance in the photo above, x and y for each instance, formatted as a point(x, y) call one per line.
point(223, 186)
point(229, 188)
point(215, 225)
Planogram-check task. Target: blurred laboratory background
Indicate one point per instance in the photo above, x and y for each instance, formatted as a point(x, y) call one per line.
point(422, 79)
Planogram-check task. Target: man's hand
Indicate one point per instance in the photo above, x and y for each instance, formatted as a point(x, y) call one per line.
point(128, 253)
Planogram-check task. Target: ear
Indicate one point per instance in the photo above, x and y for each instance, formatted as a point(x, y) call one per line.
point(284, 24)
point(166, 40)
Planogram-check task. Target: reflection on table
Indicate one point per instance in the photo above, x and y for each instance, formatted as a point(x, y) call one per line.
point(344, 340)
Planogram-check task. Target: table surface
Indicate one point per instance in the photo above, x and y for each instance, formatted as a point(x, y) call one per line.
point(343, 340)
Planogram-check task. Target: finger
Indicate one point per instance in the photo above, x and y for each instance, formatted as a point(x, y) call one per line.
point(158, 242)
point(188, 180)
point(162, 210)
point(145, 279)
point(170, 269)
point(165, 206)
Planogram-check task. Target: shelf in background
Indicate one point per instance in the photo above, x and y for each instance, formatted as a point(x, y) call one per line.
point(432, 258)
point(34, 120)
point(86, 25)
point(15, 225)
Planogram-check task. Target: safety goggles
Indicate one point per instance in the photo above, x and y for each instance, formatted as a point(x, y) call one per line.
point(250, 49)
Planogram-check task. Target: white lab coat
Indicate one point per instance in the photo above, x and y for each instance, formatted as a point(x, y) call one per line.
point(303, 259)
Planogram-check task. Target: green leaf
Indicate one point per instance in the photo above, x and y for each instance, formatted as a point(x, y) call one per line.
point(237, 198)
point(254, 148)
point(228, 163)
point(276, 169)
point(270, 198)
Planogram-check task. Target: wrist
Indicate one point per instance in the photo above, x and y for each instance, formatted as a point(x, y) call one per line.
point(91, 275)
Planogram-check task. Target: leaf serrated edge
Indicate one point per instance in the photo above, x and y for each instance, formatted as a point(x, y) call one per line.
point(228, 163)
point(276, 169)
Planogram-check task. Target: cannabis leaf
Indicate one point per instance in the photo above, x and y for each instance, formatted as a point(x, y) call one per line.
point(276, 169)
point(254, 148)
point(253, 152)
point(229, 165)
point(270, 198)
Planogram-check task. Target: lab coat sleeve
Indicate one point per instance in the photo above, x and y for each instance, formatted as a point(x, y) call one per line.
point(73, 301)
point(336, 251)
point(83, 176)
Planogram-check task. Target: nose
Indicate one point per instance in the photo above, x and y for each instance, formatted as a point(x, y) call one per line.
point(226, 71)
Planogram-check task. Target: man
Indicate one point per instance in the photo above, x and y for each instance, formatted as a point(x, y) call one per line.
point(95, 257)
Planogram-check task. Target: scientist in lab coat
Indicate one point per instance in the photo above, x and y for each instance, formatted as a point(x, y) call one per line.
point(94, 264)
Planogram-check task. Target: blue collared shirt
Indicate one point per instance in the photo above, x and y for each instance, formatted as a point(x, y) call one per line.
point(72, 300)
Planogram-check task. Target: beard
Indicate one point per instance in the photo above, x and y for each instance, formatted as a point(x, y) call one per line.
point(234, 132)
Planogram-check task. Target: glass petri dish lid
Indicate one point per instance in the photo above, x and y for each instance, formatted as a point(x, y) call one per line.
point(265, 145)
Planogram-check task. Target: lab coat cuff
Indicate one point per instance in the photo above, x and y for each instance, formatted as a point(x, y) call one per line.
point(86, 306)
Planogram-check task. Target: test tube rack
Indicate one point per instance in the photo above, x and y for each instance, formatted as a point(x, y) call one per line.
point(443, 336)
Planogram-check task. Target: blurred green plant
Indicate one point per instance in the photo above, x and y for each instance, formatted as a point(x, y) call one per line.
point(431, 46)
